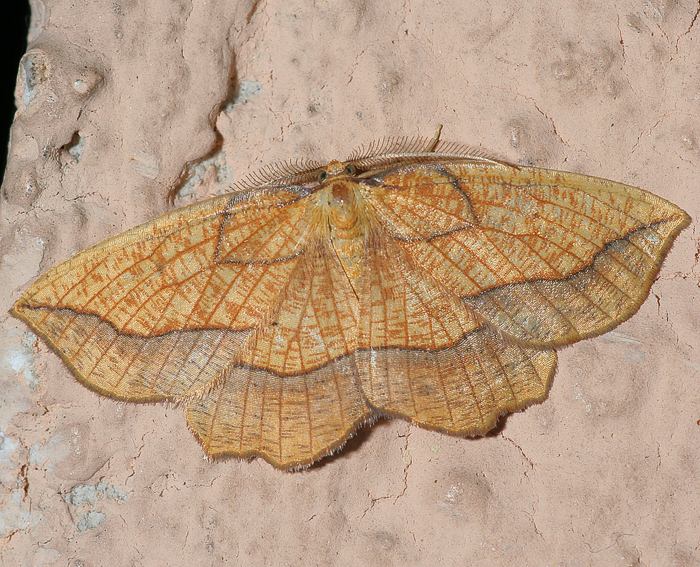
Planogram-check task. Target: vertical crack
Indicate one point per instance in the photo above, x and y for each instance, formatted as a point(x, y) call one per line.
point(188, 169)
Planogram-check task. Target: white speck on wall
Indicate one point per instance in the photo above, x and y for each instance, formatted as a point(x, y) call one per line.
point(90, 520)
point(7, 448)
point(20, 360)
point(145, 164)
point(214, 167)
point(453, 493)
point(45, 454)
point(87, 496)
point(247, 89)
point(579, 395)
point(15, 514)
point(633, 352)
point(76, 149)
point(82, 494)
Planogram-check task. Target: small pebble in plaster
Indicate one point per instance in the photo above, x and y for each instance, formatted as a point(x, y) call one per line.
point(86, 84)
point(90, 520)
point(527, 134)
point(688, 140)
point(24, 189)
point(391, 83)
point(467, 495)
point(247, 89)
point(313, 108)
point(31, 187)
point(453, 493)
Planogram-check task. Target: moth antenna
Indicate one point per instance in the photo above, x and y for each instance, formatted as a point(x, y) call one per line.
point(395, 145)
point(436, 139)
point(290, 172)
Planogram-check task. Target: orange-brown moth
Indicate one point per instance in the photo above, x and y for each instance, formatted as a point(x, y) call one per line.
point(418, 279)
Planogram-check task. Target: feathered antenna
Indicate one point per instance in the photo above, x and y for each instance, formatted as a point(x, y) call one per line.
point(390, 150)
point(290, 172)
point(394, 151)
point(391, 145)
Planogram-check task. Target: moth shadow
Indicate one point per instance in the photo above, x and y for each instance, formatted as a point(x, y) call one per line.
point(363, 433)
point(499, 427)
point(352, 444)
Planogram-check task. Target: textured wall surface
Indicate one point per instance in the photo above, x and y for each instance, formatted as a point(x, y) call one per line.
point(120, 102)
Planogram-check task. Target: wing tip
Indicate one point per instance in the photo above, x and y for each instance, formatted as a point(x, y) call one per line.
point(22, 310)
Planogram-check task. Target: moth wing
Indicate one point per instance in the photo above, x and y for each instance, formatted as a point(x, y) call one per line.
point(160, 311)
point(546, 257)
point(294, 395)
point(426, 356)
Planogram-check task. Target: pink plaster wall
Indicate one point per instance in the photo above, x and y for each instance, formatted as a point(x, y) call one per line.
point(115, 97)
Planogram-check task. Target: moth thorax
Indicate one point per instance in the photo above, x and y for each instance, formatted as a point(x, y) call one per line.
point(343, 208)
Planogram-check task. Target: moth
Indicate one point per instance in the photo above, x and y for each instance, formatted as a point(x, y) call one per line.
point(417, 279)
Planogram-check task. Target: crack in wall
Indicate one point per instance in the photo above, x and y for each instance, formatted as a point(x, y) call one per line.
point(689, 28)
point(408, 461)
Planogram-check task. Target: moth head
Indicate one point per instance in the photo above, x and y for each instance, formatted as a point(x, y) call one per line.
point(337, 169)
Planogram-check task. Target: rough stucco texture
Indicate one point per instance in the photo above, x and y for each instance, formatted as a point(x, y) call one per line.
point(116, 97)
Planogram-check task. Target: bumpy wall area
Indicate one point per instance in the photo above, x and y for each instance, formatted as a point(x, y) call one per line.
point(120, 103)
